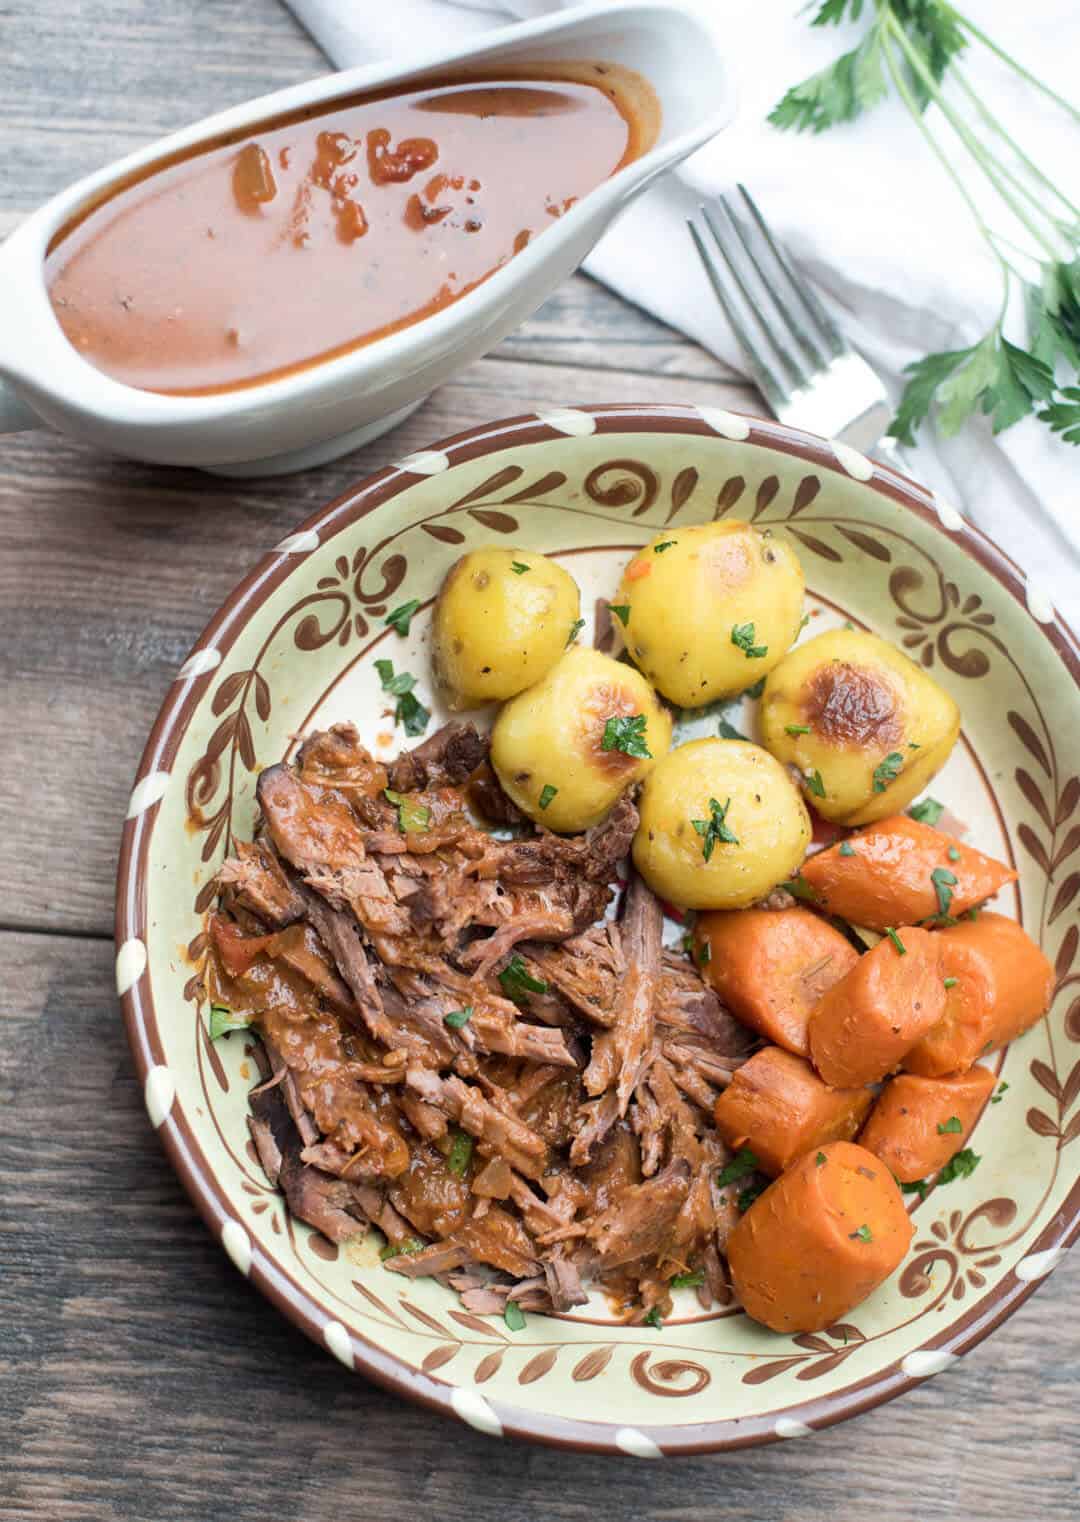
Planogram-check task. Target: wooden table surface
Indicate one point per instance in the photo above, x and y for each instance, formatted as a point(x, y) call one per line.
point(140, 1377)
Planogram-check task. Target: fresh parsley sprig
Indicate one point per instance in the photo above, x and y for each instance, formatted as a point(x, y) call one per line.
point(910, 47)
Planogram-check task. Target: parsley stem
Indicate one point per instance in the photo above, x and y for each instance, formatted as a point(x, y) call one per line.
point(1029, 164)
point(966, 136)
point(1007, 58)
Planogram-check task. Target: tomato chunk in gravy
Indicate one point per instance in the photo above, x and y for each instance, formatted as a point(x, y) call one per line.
point(267, 252)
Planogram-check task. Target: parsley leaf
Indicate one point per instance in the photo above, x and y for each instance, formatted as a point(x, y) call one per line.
point(410, 712)
point(654, 1319)
point(398, 685)
point(517, 981)
point(742, 635)
point(222, 1020)
point(846, 848)
point(927, 811)
point(403, 1249)
point(862, 1234)
point(547, 794)
point(401, 618)
point(411, 815)
point(952, 1127)
point(458, 1017)
point(887, 771)
point(460, 1153)
point(821, 1160)
point(518, 567)
point(514, 1316)
point(658, 549)
point(687, 1281)
point(1064, 417)
point(575, 629)
point(897, 942)
point(627, 735)
point(728, 731)
point(814, 783)
point(949, 982)
point(715, 829)
point(918, 1186)
point(944, 882)
point(963, 1165)
point(756, 689)
point(798, 887)
point(621, 611)
point(797, 729)
point(999, 1096)
point(747, 1196)
point(743, 1163)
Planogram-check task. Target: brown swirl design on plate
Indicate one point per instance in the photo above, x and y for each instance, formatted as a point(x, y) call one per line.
point(939, 622)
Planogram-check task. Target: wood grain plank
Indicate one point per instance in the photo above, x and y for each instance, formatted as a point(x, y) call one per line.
point(108, 572)
point(141, 1377)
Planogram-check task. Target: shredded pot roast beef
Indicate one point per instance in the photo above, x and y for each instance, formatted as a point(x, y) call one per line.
point(459, 1047)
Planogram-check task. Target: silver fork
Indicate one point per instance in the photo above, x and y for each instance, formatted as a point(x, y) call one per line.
point(796, 355)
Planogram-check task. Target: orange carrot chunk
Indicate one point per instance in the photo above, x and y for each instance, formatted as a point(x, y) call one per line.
point(900, 872)
point(872, 1018)
point(771, 966)
point(918, 1124)
point(777, 1106)
point(1003, 984)
point(819, 1240)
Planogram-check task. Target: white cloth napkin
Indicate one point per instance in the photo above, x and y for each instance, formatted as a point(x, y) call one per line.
point(865, 211)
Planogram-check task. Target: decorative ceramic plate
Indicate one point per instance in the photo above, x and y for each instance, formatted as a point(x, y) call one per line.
point(293, 649)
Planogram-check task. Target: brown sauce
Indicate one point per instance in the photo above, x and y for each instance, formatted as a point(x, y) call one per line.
point(267, 252)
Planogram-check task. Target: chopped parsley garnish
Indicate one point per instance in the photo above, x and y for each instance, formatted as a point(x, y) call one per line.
point(627, 733)
point(756, 689)
point(743, 1163)
point(654, 1319)
point(798, 887)
point(897, 942)
point(797, 729)
point(887, 771)
point(688, 1281)
point(658, 549)
point(864, 1234)
point(222, 1020)
point(918, 1186)
point(715, 829)
point(460, 1153)
point(927, 811)
point(821, 1159)
point(944, 882)
point(518, 567)
point(742, 635)
point(547, 794)
point(575, 629)
point(963, 1165)
point(972, 915)
point(403, 1249)
point(747, 1197)
point(846, 848)
point(954, 854)
point(621, 611)
point(401, 618)
point(514, 1316)
point(802, 624)
point(729, 732)
point(814, 784)
point(914, 745)
point(1002, 1086)
point(950, 982)
point(410, 712)
point(517, 981)
point(704, 955)
point(458, 1017)
point(412, 816)
point(952, 1127)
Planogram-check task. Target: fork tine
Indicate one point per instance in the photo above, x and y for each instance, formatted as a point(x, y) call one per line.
point(789, 360)
point(767, 382)
point(801, 333)
point(834, 338)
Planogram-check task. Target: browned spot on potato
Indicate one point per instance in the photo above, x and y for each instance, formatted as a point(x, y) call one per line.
point(729, 561)
point(604, 701)
point(480, 580)
point(458, 646)
point(850, 705)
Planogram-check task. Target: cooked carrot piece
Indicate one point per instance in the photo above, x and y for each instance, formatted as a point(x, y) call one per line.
point(771, 966)
point(777, 1106)
point(873, 1017)
point(901, 872)
point(819, 1240)
point(1003, 985)
point(918, 1124)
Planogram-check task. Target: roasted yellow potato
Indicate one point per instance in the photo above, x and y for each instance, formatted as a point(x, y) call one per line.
point(566, 748)
point(865, 727)
point(707, 610)
point(502, 619)
point(721, 824)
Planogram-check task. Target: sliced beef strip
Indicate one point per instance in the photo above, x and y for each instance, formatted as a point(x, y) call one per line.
point(255, 878)
point(563, 1283)
point(585, 970)
point(438, 1258)
point(639, 1221)
point(445, 759)
point(621, 1054)
point(329, 1204)
point(490, 801)
point(335, 758)
point(267, 1149)
point(591, 857)
point(596, 1120)
point(466, 1105)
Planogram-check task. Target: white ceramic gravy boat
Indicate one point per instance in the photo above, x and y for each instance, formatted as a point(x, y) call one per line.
point(320, 412)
